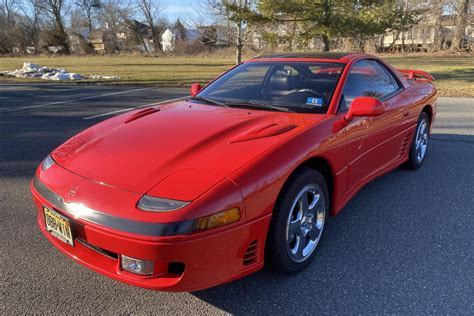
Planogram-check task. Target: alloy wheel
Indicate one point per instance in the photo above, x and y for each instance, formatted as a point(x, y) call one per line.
point(305, 222)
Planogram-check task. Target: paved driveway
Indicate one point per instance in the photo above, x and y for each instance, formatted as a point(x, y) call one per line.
point(404, 244)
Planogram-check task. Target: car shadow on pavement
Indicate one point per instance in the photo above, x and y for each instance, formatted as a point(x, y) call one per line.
point(403, 244)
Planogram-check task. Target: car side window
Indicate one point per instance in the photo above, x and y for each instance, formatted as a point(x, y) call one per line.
point(367, 78)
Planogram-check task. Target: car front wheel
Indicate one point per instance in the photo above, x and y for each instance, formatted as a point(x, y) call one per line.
point(420, 142)
point(298, 222)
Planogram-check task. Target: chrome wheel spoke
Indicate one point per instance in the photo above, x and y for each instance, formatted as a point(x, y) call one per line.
point(314, 203)
point(314, 232)
point(294, 228)
point(304, 203)
point(300, 246)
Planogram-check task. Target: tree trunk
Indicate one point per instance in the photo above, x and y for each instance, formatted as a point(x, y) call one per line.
point(62, 34)
point(89, 21)
point(142, 40)
point(325, 39)
point(395, 39)
point(239, 44)
point(326, 22)
point(461, 22)
point(238, 54)
point(156, 40)
point(438, 31)
point(403, 42)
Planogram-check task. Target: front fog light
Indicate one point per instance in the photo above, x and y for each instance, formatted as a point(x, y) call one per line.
point(137, 266)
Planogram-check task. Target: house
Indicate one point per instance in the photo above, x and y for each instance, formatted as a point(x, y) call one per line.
point(97, 40)
point(214, 35)
point(168, 41)
point(422, 35)
point(78, 38)
point(170, 36)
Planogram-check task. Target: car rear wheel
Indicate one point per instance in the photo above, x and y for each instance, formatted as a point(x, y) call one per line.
point(298, 222)
point(420, 142)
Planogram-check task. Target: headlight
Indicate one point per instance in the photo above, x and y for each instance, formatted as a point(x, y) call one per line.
point(47, 163)
point(154, 204)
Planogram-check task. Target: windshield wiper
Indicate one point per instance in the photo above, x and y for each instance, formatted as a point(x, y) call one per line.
point(258, 105)
point(197, 98)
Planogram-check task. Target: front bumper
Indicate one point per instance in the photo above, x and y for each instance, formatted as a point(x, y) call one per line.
point(182, 262)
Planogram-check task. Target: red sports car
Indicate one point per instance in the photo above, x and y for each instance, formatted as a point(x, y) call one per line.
point(199, 192)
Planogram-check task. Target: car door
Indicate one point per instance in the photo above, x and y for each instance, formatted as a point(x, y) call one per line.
point(372, 142)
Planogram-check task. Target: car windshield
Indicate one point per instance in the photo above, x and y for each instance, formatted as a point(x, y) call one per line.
point(286, 86)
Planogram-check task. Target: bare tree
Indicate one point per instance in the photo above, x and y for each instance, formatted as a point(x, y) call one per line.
point(8, 25)
point(437, 15)
point(88, 7)
point(462, 10)
point(31, 23)
point(240, 18)
point(180, 29)
point(151, 10)
point(8, 8)
point(111, 16)
point(119, 16)
point(54, 8)
point(137, 31)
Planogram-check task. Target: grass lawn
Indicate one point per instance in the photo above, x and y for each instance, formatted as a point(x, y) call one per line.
point(454, 75)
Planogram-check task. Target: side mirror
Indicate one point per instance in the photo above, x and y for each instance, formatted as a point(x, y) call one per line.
point(195, 88)
point(365, 106)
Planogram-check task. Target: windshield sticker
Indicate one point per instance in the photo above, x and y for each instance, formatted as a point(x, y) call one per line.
point(314, 101)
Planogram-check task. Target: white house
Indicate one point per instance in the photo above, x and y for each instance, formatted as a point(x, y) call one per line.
point(168, 41)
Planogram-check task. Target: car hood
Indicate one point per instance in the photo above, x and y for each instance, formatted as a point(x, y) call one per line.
point(187, 146)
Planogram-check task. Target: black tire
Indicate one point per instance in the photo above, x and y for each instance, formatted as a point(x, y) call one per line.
point(414, 161)
point(277, 252)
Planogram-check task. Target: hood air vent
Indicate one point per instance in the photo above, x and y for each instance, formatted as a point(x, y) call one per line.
point(140, 114)
point(262, 132)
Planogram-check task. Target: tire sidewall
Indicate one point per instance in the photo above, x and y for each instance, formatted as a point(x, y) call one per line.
point(412, 161)
point(276, 247)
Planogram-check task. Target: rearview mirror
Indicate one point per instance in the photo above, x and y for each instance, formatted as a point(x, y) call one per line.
point(195, 88)
point(365, 106)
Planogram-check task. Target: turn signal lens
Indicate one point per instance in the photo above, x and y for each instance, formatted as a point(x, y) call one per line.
point(137, 266)
point(229, 216)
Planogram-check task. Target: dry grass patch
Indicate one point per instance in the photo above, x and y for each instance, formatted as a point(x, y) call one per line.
point(454, 74)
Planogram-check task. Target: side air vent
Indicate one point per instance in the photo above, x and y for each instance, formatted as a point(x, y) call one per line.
point(251, 254)
point(405, 144)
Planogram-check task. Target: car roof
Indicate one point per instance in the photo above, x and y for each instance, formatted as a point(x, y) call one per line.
point(311, 56)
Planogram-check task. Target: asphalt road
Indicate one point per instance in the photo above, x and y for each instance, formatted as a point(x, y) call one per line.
point(404, 244)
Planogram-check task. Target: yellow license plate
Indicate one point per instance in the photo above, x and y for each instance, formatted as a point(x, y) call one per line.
point(58, 225)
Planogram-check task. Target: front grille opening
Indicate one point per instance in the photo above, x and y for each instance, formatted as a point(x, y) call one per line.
point(251, 254)
point(102, 251)
point(176, 268)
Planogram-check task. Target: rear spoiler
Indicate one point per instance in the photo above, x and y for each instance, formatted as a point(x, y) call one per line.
point(418, 75)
